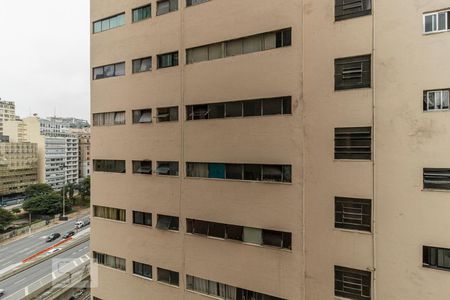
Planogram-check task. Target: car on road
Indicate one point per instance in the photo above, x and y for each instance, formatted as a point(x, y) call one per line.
point(68, 234)
point(53, 237)
point(51, 251)
point(2, 292)
point(81, 224)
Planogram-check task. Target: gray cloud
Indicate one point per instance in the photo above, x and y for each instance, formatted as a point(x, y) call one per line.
point(44, 56)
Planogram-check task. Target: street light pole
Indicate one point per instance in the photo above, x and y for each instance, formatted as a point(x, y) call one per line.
point(63, 217)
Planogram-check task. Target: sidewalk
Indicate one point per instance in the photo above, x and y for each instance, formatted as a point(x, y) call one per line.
point(56, 222)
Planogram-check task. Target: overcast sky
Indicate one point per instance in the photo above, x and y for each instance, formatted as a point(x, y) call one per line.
point(44, 56)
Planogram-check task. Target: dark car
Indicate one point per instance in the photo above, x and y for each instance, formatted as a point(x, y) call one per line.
point(68, 234)
point(2, 292)
point(52, 237)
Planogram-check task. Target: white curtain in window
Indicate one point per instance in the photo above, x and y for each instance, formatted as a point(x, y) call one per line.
point(253, 43)
point(269, 40)
point(198, 170)
point(252, 235)
point(119, 118)
point(146, 117)
point(234, 47)
point(109, 118)
point(201, 285)
point(445, 99)
point(231, 293)
point(198, 54)
point(215, 51)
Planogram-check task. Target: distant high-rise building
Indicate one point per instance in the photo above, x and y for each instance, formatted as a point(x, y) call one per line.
point(61, 125)
point(7, 112)
point(84, 159)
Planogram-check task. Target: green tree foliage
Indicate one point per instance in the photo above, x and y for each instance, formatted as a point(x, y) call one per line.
point(6, 217)
point(69, 191)
point(46, 204)
point(84, 188)
point(37, 189)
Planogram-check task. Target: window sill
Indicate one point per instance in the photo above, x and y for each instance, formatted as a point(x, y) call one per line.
point(168, 284)
point(435, 190)
point(242, 117)
point(239, 180)
point(353, 231)
point(435, 268)
point(137, 73)
point(436, 111)
point(202, 294)
point(352, 160)
point(240, 242)
point(109, 268)
point(435, 32)
point(169, 230)
point(142, 277)
point(142, 226)
point(109, 220)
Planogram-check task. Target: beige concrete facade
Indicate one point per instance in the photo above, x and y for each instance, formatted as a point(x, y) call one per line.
point(405, 139)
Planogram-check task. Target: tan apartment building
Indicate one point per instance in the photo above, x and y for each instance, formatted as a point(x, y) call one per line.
point(7, 112)
point(18, 167)
point(255, 149)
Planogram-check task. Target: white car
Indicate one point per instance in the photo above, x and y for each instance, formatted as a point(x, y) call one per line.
point(2, 292)
point(53, 250)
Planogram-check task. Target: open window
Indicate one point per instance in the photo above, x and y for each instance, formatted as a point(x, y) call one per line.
point(167, 168)
point(142, 116)
point(167, 114)
point(142, 167)
point(168, 223)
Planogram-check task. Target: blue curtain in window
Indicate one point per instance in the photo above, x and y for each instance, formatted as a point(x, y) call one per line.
point(216, 171)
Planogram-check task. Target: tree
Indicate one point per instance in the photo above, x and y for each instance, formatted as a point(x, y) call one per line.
point(84, 188)
point(46, 204)
point(37, 189)
point(6, 217)
point(69, 191)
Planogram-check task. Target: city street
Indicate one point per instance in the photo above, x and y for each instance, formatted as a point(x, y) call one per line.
point(25, 278)
point(13, 253)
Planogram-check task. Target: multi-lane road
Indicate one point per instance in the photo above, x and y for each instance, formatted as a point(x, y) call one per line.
point(13, 253)
point(27, 277)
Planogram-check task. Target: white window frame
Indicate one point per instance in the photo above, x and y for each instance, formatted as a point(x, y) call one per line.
point(441, 92)
point(436, 13)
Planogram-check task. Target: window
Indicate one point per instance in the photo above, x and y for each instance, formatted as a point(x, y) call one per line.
point(167, 114)
point(168, 60)
point(351, 283)
point(436, 257)
point(346, 9)
point(167, 168)
point(257, 236)
point(169, 277)
point(142, 218)
point(109, 261)
point(166, 6)
point(244, 45)
point(353, 143)
point(109, 71)
point(109, 23)
point(436, 21)
point(222, 290)
point(168, 223)
point(142, 116)
point(142, 13)
point(245, 108)
point(142, 166)
point(352, 72)
point(195, 2)
point(142, 65)
point(112, 166)
point(254, 172)
point(352, 213)
point(110, 213)
point(141, 269)
point(437, 100)
point(109, 118)
point(438, 179)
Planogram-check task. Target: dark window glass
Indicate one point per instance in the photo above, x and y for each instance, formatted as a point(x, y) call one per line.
point(436, 179)
point(353, 143)
point(142, 13)
point(216, 111)
point(216, 170)
point(434, 257)
point(352, 72)
point(352, 213)
point(195, 2)
point(234, 232)
point(234, 171)
point(167, 168)
point(189, 225)
point(272, 173)
point(167, 276)
point(113, 166)
point(283, 38)
point(167, 223)
point(142, 65)
point(272, 238)
point(168, 60)
point(109, 23)
point(201, 227)
point(142, 269)
point(233, 109)
point(168, 114)
point(142, 218)
point(351, 283)
point(287, 105)
point(109, 71)
point(142, 167)
point(252, 172)
point(346, 9)
point(216, 230)
point(252, 108)
point(273, 106)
